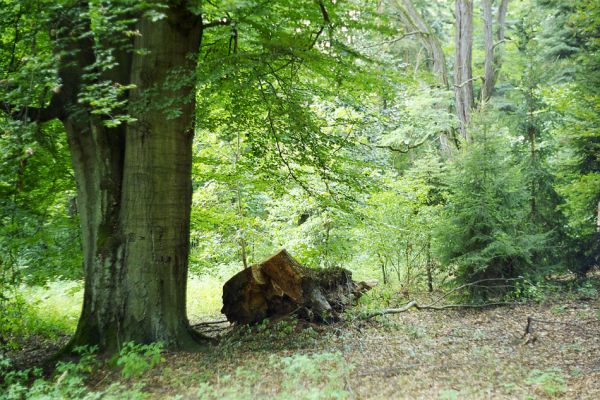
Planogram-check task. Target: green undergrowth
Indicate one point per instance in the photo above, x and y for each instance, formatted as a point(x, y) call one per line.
point(70, 379)
point(137, 369)
point(44, 313)
point(300, 376)
point(204, 296)
point(549, 382)
point(543, 291)
point(50, 311)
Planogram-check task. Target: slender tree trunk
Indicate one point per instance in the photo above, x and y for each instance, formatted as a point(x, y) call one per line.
point(429, 267)
point(463, 72)
point(500, 31)
point(598, 219)
point(382, 261)
point(414, 22)
point(488, 40)
point(493, 56)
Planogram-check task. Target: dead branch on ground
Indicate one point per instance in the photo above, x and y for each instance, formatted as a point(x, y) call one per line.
point(433, 305)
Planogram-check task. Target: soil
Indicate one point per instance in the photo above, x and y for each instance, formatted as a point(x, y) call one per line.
point(462, 354)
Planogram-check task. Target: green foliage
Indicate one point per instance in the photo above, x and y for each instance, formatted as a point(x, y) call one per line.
point(38, 313)
point(317, 130)
point(302, 376)
point(137, 359)
point(551, 382)
point(399, 221)
point(68, 383)
point(485, 234)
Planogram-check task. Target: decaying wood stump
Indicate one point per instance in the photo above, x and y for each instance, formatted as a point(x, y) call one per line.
point(281, 286)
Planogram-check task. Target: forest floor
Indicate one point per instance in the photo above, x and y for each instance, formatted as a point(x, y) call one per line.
point(427, 354)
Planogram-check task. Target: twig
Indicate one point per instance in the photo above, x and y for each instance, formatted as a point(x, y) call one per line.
point(397, 39)
point(467, 81)
point(210, 323)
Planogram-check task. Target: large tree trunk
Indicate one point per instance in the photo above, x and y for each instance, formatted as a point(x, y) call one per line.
point(463, 72)
point(134, 190)
point(500, 31)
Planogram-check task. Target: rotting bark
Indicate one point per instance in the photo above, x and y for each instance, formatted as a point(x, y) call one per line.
point(280, 286)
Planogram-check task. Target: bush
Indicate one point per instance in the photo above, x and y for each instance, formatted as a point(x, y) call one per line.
point(487, 234)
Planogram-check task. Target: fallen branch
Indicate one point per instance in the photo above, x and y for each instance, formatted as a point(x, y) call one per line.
point(433, 306)
point(210, 323)
point(416, 305)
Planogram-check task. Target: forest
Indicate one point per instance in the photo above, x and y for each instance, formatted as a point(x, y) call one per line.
point(299, 199)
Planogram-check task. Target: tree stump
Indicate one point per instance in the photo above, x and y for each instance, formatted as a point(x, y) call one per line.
point(280, 286)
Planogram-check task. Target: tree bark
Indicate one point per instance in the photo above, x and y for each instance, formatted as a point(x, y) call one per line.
point(134, 185)
point(414, 22)
point(463, 71)
point(488, 40)
point(500, 31)
point(598, 219)
point(493, 56)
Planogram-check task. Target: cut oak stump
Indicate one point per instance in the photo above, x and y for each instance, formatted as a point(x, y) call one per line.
point(280, 286)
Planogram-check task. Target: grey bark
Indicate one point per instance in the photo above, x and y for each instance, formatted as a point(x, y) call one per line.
point(463, 70)
point(414, 22)
point(488, 40)
point(493, 51)
point(500, 37)
point(598, 219)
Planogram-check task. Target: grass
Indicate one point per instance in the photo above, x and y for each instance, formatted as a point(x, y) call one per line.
point(58, 304)
point(204, 294)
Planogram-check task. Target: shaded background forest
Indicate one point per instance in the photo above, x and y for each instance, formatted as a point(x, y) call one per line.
point(339, 142)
